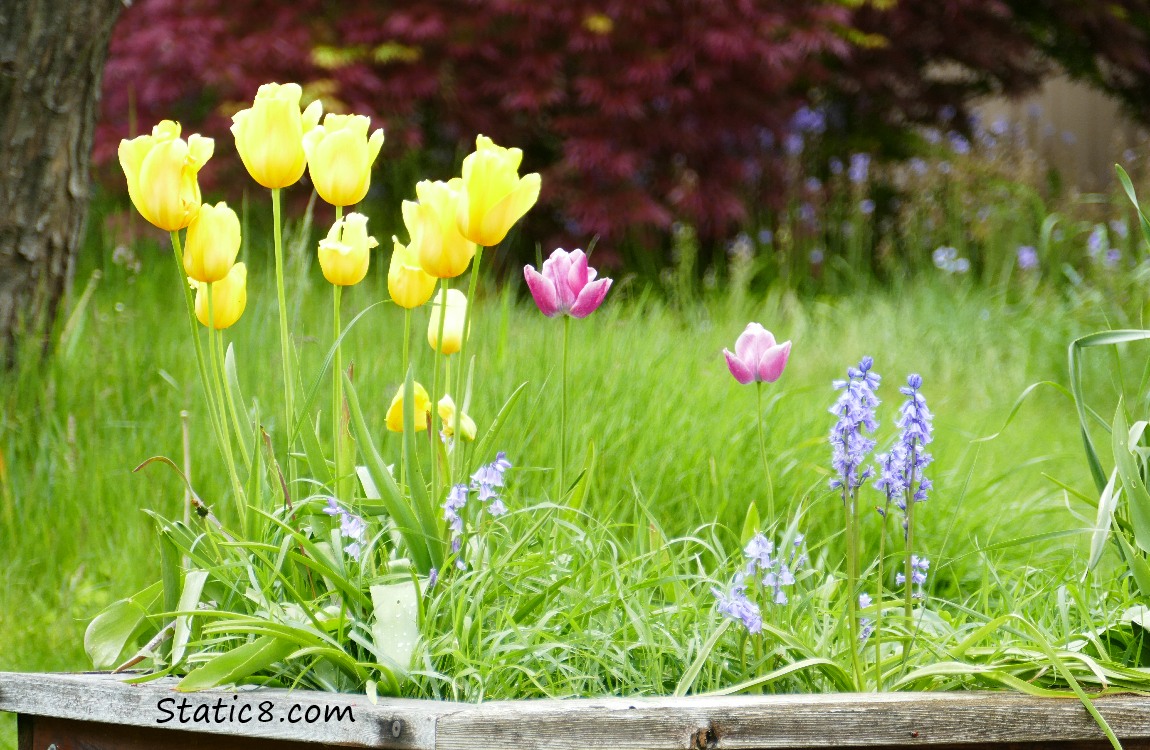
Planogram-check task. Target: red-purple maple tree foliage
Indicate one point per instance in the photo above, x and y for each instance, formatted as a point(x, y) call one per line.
point(637, 112)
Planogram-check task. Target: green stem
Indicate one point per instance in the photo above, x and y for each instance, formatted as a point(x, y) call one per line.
point(193, 325)
point(336, 389)
point(763, 453)
point(473, 283)
point(241, 510)
point(563, 411)
point(285, 336)
point(878, 603)
point(852, 583)
point(438, 356)
point(406, 359)
point(908, 571)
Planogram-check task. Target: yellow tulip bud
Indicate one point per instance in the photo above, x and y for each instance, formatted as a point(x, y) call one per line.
point(408, 284)
point(269, 134)
point(494, 195)
point(422, 410)
point(162, 171)
point(447, 417)
point(339, 157)
point(213, 242)
point(431, 224)
point(452, 324)
point(229, 298)
point(346, 251)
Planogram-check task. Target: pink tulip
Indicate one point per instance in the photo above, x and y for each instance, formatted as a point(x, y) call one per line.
point(566, 286)
point(757, 357)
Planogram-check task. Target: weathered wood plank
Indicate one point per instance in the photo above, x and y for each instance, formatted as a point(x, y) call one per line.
point(64, 734)
point(271, 714)
point(935, 720)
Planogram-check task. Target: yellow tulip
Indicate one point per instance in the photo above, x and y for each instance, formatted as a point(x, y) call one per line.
point(431, 224)
point(407, 283)
point(422, 410)
point(213, 242)
point(162, 171)
point(452, 324)
point(447, 417)
point(339, 157)
point(346, 251)
point(269, 134)
point(494, 195)
point(229, 298)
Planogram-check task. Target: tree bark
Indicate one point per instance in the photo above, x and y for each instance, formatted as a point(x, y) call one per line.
point(51, 63)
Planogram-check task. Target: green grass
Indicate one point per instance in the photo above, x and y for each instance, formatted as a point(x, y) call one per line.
point(677, 460)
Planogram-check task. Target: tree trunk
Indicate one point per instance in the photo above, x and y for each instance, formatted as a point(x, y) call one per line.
point(51, 62)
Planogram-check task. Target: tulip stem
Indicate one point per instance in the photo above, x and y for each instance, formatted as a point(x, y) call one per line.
point(336, 391)
point(205, 381)
point(406, 358)
point(220, 385)
point(285, 336)
point(473, 284)
point(763, 453)
point(444, 284)
point(563, 409)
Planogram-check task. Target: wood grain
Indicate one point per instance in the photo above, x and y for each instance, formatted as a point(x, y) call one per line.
point(935, 720)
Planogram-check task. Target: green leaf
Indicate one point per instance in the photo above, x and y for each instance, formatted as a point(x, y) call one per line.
point(232, 666)
point(583, 484)
point(396, 624)
point(1102, 338)
point(1143, 222)
point(1137, 497)
point(118, 626)
point(237, 401)
point(1106, 505)
point(393, 499)
point(1139, 569)
point(320, 468)
point(750, 524)
point(189, 600)
point(481, 450)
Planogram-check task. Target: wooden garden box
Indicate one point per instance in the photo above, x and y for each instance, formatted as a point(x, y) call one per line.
point(98, 712)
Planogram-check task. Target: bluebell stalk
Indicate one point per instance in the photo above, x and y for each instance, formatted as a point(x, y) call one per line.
point(850, 445)
point(773, 568)
point(485, 483)
point(916, 431)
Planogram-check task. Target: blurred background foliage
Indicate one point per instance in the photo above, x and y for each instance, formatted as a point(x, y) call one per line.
point(642, 114)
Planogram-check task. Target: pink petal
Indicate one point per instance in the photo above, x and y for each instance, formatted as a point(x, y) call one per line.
point(753, 343)
point(543, 291)
point(773, 363)
point(741, 372)
point(590, 298)
point(557, 268)
point(577, 276)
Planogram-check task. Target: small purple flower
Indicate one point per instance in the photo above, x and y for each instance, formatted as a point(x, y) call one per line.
point(766, 236)
point(737, 606)
point(859, 168)
point(813, 184)
point(807, 214)
point(432, 578)
point(1069, 138)
point(835, 165)
point(855, 410)
point(793, 144)
point(866, 206)
point(1113, 257)
point(352, 526)
point(1119, 227)
point(353, 550)
point(919, 567)
point(1098, 242)
point(918, 166)
point(807, 120)
point(332, 508)
point(456, 501)
point(958, 143)
point(1027, 258)
point(816, 256)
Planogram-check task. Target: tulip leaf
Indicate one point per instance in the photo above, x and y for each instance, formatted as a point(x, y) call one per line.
point(1103, 338)
point(232, 666)
point(111, 632)
point(395, 627)
point(1106, 505)
point(316, 461)
point(237, 403)
point(189, 599)
point(583, 483)
point(1143, 222)
point(1137, 496)
point(396, 504)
